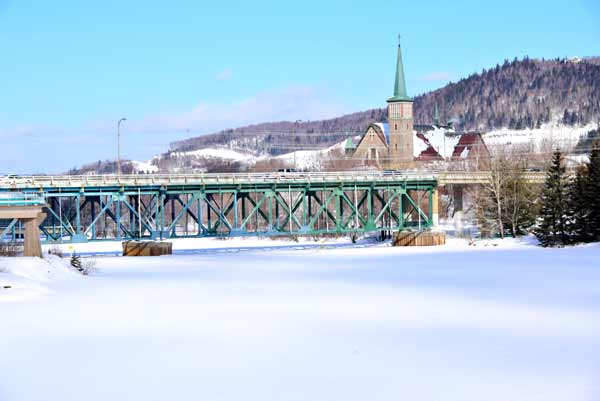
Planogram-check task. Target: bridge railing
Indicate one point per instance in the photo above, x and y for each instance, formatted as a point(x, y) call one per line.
point(209, 178)
point(20, 199)
point(443, 178)
point(482, 177)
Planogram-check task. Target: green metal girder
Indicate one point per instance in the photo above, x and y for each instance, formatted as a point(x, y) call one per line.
point(275, 208)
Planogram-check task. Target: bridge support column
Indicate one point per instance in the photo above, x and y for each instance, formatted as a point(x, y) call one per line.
point(31, 245)
point(31, 217)
point(457, 194)
point(435, 214)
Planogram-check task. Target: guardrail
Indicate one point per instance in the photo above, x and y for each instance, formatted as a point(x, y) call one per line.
point(65, 181)
point(482, 177)
point(202, 179)
point(20, 199)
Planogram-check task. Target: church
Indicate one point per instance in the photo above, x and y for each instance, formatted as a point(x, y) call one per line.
point(400, 144)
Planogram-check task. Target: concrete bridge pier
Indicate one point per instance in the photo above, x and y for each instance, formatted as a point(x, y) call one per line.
point(457, 196)
point(32, 217)
point(435, 213)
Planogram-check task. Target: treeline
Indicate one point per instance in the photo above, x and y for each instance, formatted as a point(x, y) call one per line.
point(585, 142)
point(281, 137)
point(570, 210)
point(103, 167)
point(516, 94)
point(519, 94)
point(563, 211)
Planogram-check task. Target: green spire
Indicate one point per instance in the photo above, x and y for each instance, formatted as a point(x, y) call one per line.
point(400, 85)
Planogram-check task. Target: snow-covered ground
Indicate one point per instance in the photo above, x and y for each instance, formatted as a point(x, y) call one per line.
point(501, 320)
point(203, 245)
point(220, 153)
point(144, 167)
point(549, 135)
point(310, 159)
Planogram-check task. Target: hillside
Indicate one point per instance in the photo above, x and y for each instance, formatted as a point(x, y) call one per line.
point(514, 102)
point(516, 95)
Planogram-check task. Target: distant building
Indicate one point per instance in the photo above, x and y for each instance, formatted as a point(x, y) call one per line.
point(399, 143)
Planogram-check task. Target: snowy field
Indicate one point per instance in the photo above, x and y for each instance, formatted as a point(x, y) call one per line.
point(509, 322)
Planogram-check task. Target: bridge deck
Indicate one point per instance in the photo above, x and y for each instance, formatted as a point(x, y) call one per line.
point(165, 180)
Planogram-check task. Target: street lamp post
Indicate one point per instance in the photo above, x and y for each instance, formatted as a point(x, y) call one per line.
point(119, 146)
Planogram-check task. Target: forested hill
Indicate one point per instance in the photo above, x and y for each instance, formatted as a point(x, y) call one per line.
point(518, 94)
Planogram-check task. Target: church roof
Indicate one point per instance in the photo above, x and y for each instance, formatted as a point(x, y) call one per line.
point(400, 84)
point(385, 130)
point(466, 143)
point(440, 144)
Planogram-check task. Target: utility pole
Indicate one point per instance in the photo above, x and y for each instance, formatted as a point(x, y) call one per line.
point(296, 133)
point(119, 146)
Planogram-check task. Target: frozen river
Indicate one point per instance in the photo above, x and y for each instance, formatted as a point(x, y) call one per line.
point(458, 322)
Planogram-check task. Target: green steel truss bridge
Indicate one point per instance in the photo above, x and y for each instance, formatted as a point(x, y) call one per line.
point(106, 207)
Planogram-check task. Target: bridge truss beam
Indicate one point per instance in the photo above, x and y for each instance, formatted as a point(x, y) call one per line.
point(245, 209)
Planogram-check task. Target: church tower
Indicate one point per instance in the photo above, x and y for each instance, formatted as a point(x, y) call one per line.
point(400, 120)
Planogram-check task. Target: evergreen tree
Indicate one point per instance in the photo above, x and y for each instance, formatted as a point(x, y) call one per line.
point(593, 192)
point(578, 207)
point(552, 225)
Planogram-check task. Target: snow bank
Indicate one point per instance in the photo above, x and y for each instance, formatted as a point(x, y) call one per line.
point(28, 277)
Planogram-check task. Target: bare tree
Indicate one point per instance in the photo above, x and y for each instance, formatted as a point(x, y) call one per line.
point(506, 201)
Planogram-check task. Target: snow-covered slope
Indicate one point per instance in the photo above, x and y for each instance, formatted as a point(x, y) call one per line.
point(144, 167)
point(220, 153)
point(547, 136)
point(310, 159)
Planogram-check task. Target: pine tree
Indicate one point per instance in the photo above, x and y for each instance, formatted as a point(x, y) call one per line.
point(552, 226)
point(593, 191)
point(578, 211)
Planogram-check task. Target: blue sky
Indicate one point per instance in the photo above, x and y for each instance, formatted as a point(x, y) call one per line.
point(70, 69)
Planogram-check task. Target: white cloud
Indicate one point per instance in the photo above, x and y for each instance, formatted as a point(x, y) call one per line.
point(224, 75)
point(143, 136)
point(436, 76)
point(288, 103)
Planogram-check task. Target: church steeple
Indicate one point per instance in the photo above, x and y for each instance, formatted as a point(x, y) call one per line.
point(400, 84)
point(400, 120)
